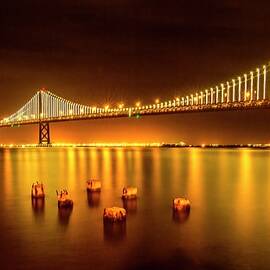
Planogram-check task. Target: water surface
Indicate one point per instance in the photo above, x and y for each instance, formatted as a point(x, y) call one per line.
point(228, 226)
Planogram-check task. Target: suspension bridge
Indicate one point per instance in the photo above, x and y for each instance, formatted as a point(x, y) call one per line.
point(249, 91)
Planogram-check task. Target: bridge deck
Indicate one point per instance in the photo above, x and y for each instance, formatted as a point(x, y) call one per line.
point(231, 106)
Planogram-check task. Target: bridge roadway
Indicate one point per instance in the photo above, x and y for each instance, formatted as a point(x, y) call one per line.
point(133, 112)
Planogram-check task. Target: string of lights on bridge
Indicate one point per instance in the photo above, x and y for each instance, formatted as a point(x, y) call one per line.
point(250, 88)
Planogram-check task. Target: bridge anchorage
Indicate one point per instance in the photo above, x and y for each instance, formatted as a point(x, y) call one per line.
point(249, 91)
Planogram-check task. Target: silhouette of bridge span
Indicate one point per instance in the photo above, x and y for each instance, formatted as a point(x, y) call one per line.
point(248, 91)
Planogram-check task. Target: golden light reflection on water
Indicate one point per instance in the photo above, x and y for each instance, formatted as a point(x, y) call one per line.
point(62, 163)
point(223, 166)
point(82, 164)
point(72, 168)
point(195, 176)
point(176, 169)
point(7, 167)
point(19, 171)
point(224, 188)
point(94, 163)
point(138, 167)
point(107, 176)
point(121, 164)
point(156, 171)
point(42, 156)
point(245, 194)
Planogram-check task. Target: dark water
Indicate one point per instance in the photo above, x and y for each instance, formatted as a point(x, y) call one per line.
point(228, 226)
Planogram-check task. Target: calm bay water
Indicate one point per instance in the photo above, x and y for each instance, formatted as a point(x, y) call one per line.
point(228, 226)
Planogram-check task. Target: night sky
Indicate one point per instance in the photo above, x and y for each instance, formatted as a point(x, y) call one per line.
point(99, 52)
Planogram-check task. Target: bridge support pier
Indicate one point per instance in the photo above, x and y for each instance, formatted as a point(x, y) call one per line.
point(44, 134)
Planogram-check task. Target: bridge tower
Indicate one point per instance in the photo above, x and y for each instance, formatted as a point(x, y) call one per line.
point(44, 127)
point(44, 133)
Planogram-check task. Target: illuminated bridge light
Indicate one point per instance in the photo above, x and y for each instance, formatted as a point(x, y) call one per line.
point(245, 92)
point(206, 97)
point(233, 83)
point(182, 101)
point(228, 92)
point(201, 97)
point(258, 83)
point(264, 82)
point(251, 85)
point(222, 92)
point(106, 108)
point(239, 88)
point(138, 104)
point(177, 101)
